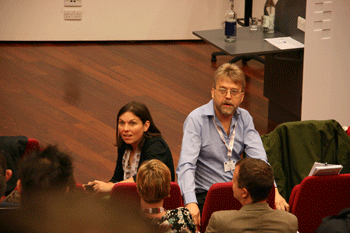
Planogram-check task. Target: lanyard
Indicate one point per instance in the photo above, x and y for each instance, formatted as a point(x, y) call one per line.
point(232, 139)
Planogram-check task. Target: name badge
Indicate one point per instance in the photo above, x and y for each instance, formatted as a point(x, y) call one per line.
point(229, 165)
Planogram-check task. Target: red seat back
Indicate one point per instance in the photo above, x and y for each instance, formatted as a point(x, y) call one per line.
point(220, 197)
point(32, 145)
point(317, 197)
point(128, 191)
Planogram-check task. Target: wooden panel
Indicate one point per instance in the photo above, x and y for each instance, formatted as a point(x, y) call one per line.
point(69, 93)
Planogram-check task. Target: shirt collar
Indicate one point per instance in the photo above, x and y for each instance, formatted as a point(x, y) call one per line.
point(209, 108)
point(256, 206)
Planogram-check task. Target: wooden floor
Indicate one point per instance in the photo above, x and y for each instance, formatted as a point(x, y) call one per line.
point(69, 94)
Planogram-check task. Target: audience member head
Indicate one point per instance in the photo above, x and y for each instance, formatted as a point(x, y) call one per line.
point(232, 72)
point(148, 128)
point(153, 181)
point(252, 180)
point(46, 171)
point(5, 174)
point(228, 90)
point(78, 213)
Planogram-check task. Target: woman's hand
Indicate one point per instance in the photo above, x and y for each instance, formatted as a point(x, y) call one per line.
point(101, 187)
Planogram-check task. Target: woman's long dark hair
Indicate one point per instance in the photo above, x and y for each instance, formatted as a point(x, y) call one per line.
point(141, 111)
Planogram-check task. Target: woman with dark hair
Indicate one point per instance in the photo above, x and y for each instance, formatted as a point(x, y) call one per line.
point(138, 140)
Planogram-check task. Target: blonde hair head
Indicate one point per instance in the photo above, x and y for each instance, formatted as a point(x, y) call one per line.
point(232, 72)
point(153, 181)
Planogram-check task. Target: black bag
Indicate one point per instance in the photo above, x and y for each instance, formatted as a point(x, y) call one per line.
point(336, 224)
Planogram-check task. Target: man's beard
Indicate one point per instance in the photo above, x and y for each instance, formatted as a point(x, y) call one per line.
point(227, 111)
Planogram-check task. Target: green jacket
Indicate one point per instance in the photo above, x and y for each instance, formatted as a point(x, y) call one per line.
point(293, 147)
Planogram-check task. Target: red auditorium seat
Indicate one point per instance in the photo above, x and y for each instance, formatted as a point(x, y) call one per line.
point(129, 191)
point(220, 197)
point(317, 197)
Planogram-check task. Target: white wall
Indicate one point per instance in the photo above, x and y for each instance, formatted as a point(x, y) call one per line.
point(326, 79)
point(42, 20)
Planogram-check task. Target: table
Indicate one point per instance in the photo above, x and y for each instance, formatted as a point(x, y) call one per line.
point(283, 68)
point(247, 42)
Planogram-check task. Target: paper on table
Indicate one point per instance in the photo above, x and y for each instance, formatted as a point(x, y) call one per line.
point(285, 43)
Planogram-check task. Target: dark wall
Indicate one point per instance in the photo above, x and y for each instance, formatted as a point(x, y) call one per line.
point(287, 12)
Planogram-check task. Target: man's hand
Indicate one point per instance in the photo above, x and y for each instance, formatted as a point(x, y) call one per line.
point(280, 202)
point(193, 208)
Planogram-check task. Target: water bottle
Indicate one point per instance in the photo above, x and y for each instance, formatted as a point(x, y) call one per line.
point(269, 17)
point(230, 24)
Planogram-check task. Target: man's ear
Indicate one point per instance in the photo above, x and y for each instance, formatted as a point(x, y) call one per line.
point(242, 97)
point(8, 174)
point(19, 185)
point(245, 193)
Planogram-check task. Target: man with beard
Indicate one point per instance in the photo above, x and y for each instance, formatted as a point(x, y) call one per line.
point(215, 136)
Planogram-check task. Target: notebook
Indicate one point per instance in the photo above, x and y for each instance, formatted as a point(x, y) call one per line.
point(320, 169)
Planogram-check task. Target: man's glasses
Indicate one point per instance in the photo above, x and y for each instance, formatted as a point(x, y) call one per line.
point(233, 92)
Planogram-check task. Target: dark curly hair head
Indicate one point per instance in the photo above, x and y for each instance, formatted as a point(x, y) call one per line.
point(48, 170)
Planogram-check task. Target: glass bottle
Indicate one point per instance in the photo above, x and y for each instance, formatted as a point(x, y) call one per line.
point(269, 17)
point(230, 24)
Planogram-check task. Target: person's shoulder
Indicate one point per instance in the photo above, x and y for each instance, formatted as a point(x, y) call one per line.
point(176, 212)
point(224, 214)
point(206, 109)
point(243, 116)
point(243, 112)
point(222, 219)
point(156, 143)
point(286, 219)
point(285, 215)
point(122, 148)
point(197, 112)
point(183, 210)
point(181, 217)
point(155, 140)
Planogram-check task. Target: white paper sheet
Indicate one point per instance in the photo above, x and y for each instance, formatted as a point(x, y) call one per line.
point(285, 43)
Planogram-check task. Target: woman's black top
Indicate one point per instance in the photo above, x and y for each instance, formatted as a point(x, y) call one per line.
point(153, 148)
